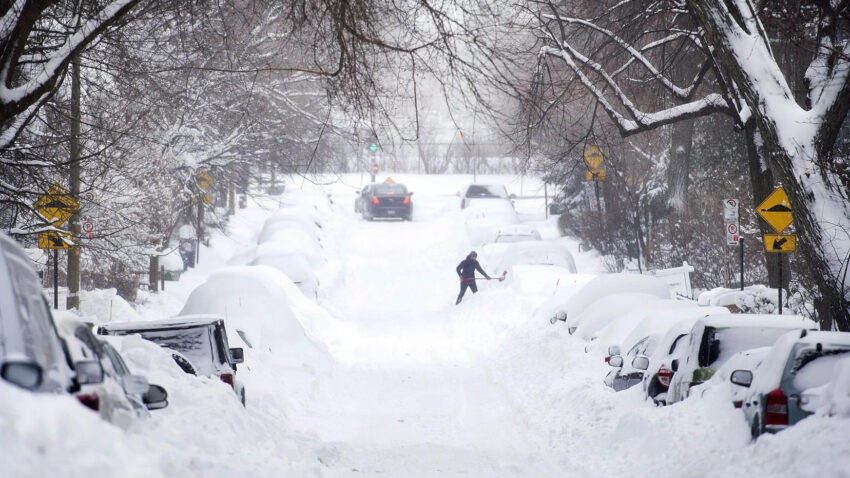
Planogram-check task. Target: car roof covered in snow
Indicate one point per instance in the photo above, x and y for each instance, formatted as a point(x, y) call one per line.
point(172, 323)
point(759, 320)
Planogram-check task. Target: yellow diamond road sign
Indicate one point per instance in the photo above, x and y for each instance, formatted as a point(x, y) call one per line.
point(596, 175)
point(54, 240)
point(593, 157)
point(205, 180)
point(57, 206)
point(776, 210)
point(780, 242)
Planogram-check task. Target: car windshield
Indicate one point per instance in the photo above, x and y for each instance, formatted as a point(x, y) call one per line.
point(195, 343)
point(484, 191)
point(813, 369)
point(390, 189)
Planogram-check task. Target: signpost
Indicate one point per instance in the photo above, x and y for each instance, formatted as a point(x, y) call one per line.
point(777, 212)
point(733, 230)
point(594, 159)
point(374, 169)
point(56, 207)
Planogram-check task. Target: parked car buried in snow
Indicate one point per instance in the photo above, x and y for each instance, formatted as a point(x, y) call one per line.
point(713, 340)
point(201, 338)
point(475, 193)
point(118, 397)
point(32, 355)
point(787, 387)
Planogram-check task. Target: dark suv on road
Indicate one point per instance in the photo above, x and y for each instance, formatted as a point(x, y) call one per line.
point(200, 338)
point(386, 200)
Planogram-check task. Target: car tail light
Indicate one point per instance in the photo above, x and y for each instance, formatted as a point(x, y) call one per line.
point(227, 378)
point(463, 203)
point(607, 358)
point(375, 201)
point(664, 376)
point(776, 408)
point(90, 400)
point(738, 403)
point(406, 200)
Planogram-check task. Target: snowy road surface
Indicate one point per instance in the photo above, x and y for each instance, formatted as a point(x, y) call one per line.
point(416, 386)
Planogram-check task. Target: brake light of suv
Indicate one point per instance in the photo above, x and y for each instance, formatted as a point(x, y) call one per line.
point(227, 378)
point(776, 408)
point(375, 200)
point(664, 376)
point(90, 400)
point(406, 200)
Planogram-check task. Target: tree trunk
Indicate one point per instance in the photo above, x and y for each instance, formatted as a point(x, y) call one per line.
point(762, 184)
point(73, 300)
point(799, 159)
point(678, 171)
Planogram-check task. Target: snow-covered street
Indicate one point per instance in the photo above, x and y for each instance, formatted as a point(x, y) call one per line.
point(394, 379)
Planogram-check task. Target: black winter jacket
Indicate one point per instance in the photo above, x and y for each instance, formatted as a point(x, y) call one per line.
point(467, 268)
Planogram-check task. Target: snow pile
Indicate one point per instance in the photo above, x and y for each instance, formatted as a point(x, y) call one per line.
point(754, 299)
point(105, 305)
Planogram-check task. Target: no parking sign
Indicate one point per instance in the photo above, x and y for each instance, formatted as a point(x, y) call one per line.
point(730, 219)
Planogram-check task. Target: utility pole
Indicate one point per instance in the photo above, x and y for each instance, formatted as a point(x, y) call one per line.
point(73, 300)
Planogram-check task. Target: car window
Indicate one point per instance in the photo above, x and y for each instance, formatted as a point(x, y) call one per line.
point(815, 368)
point(732, 340)
point(117, 362)
point(676, 343)
point(195, 343)
point(390, 189)
point(485, 191)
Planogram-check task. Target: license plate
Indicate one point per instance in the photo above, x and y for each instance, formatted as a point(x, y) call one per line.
point(391, 212)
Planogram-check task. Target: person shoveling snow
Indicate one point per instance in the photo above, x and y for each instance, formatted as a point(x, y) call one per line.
point(466, 273)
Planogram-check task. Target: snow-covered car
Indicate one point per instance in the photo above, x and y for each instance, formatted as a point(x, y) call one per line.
point(152, 397)
point(567, 308)
point(477, 193)
point(517, 233)
point(275, 224)
point(656, 368)
point(484, 219)
point(615, 316)
point(31, 351)
point(116, 398)
point(789, 384)
point(292, 241)
point(201, 338)
point(295, 266)
point(384, 200)
point(713, 340)
point(644, 337)
point(722, 378)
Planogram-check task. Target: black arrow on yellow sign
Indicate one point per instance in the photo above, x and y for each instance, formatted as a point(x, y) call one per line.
point(781, 243)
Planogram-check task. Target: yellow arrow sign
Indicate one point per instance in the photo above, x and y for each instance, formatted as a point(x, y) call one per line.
point(595, 175)
point(57, 206)
point(205, 180)
point(593, 157)
point(780, 242)
point(53, 240)
point(776, 210)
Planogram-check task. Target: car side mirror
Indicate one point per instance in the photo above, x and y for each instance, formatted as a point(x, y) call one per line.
point(743, 378)
point(89, 372)
point(512, 196)
point(237, 355)
point(641, 362)
point(135, 384)
point(615, 361)
point(613, 350)
point(25, 374)
point(410, 193)
point(674, 365)
point(357, 192)
point(155, 398)
point(457, 194)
